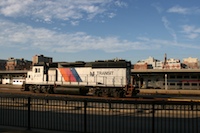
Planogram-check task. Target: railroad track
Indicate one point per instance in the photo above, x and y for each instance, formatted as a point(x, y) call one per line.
point(140, 97)
point(15, 92)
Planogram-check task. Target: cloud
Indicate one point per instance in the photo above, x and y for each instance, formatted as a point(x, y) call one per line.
point(178, 9)
point(74, 23)
point(158, 7)
point(191, 31)
point(48, 10)
point(120, 3)
point(167, 26)
point(22, 36)
point(182, 10)
point(159, 43)
point(111, 15)
point(13, 8)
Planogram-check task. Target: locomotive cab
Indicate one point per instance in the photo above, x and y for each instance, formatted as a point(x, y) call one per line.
point(36, 75)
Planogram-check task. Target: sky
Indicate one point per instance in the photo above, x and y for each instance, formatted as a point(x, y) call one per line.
point(89, 30)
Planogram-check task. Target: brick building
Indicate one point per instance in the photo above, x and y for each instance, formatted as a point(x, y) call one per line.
point(140, 66)
point(18, 64)
point(172, 64)
point(150, 63)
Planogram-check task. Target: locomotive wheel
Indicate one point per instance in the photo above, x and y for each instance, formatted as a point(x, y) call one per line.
point(135, 92)
point(50, 90)
point(44, 89)
point(97, 92)
point(118, 93)
point(31, 88)
point(104, 93)
point(37, 89)
point(101, 93)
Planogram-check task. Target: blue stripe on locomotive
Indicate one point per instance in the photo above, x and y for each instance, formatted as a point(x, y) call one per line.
point(76, 75)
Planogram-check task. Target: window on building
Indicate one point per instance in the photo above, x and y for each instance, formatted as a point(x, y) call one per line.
point(172, 76)
point(179, 77)
point(179, 84)
point(172, 84)
point(194, 76)
point(194, 84)
point(37, 70)
point(186, 84)
point(186, 77)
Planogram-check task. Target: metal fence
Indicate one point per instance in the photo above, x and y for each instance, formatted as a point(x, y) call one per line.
point(99, 115)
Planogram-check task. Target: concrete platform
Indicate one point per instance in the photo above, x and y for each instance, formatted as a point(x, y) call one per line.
point(170, 92)
point(10, 86)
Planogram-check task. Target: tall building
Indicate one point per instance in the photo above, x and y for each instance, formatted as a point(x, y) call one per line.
point(41, 59)
point(191, 63)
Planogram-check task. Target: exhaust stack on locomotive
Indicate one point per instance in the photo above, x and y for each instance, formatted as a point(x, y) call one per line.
point(100, 78)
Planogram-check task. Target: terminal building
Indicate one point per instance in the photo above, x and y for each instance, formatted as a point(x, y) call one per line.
point(168, 74)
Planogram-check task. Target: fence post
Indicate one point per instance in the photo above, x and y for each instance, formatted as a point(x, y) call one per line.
point(110, 106)
point(85, 116)
point(29, 119)
point(153, 117)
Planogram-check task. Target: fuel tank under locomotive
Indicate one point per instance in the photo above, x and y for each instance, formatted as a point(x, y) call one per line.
point(71, 90)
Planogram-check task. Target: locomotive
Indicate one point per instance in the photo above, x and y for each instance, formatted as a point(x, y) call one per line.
point(100, 78)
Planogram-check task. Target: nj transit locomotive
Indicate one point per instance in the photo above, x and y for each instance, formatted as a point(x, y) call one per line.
point(100, 78)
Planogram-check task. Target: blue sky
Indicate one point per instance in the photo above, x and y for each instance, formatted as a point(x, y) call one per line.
point(88, 30)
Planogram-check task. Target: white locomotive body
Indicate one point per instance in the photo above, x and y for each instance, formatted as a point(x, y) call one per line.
point(102, 78)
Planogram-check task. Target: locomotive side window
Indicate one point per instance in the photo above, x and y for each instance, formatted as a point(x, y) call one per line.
point(37, 70)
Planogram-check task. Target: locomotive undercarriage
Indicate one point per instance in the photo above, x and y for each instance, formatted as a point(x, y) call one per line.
point(108, 92)
point(97, 91)
point(51, 89)
point(39, 89)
